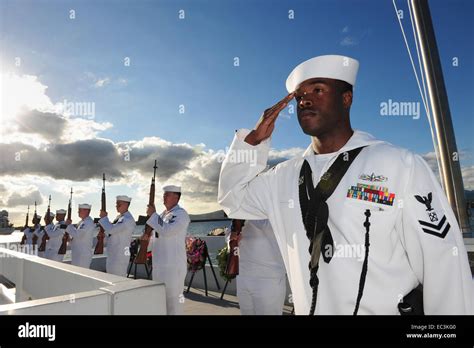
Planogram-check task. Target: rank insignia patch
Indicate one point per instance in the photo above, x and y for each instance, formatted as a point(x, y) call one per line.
point(371, 193)
point(440, 229)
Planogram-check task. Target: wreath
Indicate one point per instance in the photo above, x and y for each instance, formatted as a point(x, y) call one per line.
point(222, 258)
point(196, 251)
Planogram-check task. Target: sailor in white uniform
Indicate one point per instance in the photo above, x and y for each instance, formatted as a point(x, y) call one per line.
point(261, 283)
point(56, 237)
point(169, 250)
point(28, 248)
point(119, 236)
point(385, 229)
point(82, 237)
point(36, 230)
point(39, 232)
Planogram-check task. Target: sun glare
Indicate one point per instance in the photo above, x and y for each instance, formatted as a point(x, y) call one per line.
point(18, 93)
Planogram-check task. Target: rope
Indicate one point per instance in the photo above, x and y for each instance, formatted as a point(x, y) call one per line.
point(409, 54)
point(363, 274)
point(423, 93)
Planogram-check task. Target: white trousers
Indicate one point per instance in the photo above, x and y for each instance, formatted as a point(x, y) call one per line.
point(261, 296)
point(52, 254)
point(174, 284)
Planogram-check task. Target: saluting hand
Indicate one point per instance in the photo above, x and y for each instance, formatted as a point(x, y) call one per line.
point(150, 210)
point(102, 214)
point(68, 221)
point(266, 124)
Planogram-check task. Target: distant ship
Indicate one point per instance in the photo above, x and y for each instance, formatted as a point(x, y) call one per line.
point(6, 230)
point(5, 226)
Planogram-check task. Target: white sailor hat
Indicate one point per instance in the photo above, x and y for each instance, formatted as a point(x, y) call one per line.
point(51, 214)
point(172, 188)
point(85, 206)
point(38, 216)
point(329, 66)
point(60, 211)
point(124, 198)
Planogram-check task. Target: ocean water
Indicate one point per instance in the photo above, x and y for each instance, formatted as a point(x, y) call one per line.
point(196, 229)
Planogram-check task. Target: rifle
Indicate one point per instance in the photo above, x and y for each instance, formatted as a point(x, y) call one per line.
point(232, 268)
point(35, 222)
point(63, 247)
point(23, 239)
point(47, 222)
point(99, 247)
point(145, 238)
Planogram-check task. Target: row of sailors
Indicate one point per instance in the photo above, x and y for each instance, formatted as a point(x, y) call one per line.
point(81, 236)
point(167, 241)
point(261, 284)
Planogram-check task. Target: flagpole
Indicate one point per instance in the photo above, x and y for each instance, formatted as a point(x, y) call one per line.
point(448, 154)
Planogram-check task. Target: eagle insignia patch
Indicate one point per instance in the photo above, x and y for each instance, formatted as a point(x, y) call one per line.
point(439, 229)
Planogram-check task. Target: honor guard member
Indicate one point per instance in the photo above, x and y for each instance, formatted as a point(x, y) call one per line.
point(29, 233)
point(36, 232)
point(119, 236)
point(39, 232)
point(360, 223)
point(55, 237)
point(169, 250)
point(261, 283)
point(82, 237)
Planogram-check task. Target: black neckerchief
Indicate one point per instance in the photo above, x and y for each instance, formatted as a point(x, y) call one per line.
point(315, 212)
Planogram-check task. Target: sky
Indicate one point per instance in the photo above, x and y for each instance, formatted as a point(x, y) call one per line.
point(111, 85)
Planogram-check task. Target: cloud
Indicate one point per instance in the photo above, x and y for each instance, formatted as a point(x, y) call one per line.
point(22, 92)
point(80, 160)
point(171, 158)
point(48, 125)
point(102, 82)
point(29, 114)
point(278, 156)
point(38, 128)
point(17, 199)
point(3, 192)
point(466, 172)
point(349, 41)
point(85, 159)
point(430, 158)
point(98, 82)
point(353, 39)
point(122, 82)
point(468, 177)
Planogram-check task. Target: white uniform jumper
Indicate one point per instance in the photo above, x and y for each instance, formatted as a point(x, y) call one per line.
point(54, 242)
point(169, 254)
point(28, 246)
point(82, 242)
point(40, 233)
point(119, 236)
point(261, 283)
point(414, 236)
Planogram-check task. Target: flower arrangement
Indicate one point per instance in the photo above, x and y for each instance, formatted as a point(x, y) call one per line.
point(222, 257)
point(196, 250)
